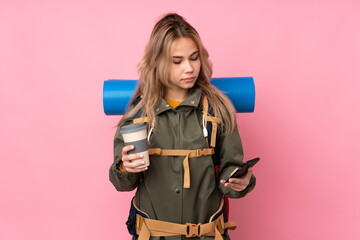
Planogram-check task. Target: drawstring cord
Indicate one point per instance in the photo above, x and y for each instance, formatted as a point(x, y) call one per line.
point(205, 132)
point(151, 129)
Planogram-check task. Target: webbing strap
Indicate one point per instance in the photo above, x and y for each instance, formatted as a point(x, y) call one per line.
point(146, 227)
point(187, 153)
point(213, 134)
point(154, 228)
point(212, 119)
point(205, 109)
point(139, 120)
point(215, 121)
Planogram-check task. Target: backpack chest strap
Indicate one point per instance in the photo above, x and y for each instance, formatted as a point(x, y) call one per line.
point(187, 154)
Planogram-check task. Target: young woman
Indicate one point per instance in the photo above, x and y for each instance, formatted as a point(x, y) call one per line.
point(181, 193)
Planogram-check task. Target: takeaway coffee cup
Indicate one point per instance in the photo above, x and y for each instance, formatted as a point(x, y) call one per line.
point(136, 134)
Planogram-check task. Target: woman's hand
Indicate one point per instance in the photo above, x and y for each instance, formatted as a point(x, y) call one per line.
point(238, 184)
point(127, 160)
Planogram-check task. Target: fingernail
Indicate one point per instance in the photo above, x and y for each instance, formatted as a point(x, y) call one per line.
point(132, 147)
point(141, 155)
point(146, 168)
point(143, 162)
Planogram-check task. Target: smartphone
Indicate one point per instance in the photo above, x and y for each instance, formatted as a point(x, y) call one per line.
point(244, 168)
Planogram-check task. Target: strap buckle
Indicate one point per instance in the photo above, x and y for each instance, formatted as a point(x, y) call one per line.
point(200, 152)
point(192, 230)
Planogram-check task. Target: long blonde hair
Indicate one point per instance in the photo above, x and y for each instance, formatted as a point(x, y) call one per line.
point(153, 71)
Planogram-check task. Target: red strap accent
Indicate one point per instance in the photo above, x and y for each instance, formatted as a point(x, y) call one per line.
point(227, 205)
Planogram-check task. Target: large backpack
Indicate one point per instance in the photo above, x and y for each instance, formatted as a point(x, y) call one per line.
point(211, 133)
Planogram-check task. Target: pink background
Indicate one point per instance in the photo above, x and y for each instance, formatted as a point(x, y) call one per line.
point(56, 142)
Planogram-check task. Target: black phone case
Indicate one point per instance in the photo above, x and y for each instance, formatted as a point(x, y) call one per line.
point(244, 168)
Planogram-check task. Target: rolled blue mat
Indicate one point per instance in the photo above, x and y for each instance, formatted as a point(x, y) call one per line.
point(240, 90)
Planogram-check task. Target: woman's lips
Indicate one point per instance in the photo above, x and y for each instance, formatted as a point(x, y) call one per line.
point(191, 79)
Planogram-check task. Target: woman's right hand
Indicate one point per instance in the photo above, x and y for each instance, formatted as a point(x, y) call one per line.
point(127, 160)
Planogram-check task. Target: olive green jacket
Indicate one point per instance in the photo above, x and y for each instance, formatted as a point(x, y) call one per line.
point(160, 191)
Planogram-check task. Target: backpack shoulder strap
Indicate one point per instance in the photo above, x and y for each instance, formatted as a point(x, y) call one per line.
point(211, 126)
point(211, 122)
point(137, 118)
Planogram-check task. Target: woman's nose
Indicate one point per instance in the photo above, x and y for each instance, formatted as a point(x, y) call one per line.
point(188, 67)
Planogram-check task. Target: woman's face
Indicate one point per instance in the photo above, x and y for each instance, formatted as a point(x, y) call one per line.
point(184, 68)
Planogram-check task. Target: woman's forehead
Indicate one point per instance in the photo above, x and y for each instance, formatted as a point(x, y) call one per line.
point(183, 47)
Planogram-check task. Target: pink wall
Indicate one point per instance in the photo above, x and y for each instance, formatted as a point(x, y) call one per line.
point(56, 142)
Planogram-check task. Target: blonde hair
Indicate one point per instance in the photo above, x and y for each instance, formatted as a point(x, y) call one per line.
point(153, 71)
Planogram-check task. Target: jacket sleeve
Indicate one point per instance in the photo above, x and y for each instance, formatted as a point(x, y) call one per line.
point(231, 157)
point(123, 181)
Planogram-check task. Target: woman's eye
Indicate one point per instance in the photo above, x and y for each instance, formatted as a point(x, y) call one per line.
point(191, 59)
point(194, 58)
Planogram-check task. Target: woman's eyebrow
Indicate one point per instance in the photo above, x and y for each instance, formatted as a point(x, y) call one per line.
point(190, 55)
point(194, 53)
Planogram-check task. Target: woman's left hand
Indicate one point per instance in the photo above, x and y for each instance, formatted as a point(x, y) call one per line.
point(238, 184)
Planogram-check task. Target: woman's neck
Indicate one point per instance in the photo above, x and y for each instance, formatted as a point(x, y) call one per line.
point(176, 95)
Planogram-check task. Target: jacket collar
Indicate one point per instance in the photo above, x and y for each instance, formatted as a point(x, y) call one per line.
point(193, 100)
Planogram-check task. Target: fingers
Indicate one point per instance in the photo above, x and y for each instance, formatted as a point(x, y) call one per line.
point(126, 149)
point(135, 170)
point(132, 157)
point(132, 162)
point(238, 184)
